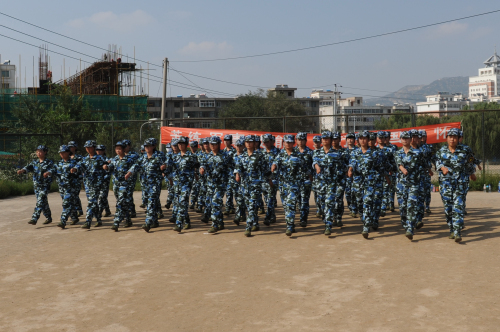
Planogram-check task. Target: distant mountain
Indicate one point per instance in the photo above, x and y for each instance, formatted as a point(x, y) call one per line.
point(413, 94)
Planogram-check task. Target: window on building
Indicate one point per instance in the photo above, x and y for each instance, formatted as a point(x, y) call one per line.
point(177, 104)
point(5, 85)
point(177, 115)
point(218, 104)
point(290, 93)
point(207, 103)
point(206, 124)
point(5, 73)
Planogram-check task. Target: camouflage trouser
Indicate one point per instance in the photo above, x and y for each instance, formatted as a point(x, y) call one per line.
point(240, 201)
point(320, 188)
point(143, 189)
point(103, 197)
point(270, 197)
point(131, 188)
point(153, 191)
point(453, 193)
point(357, 193)
point(305, 195)
point(181, 201)
point(69, 208)
point(42, 203)
point(230, 194)
point(290, 195)
point(421, 201)
point(389, 191)
point(334, 202)
point(175, 189)
point(372, 198)
point(408, 196)
point(122, 203)
point(251, 193)
point(92, 192)
point(78, 201)
point(214, 201)
point(171, 192)
point(195, 191)
point(427, 190)
point(349, 196)
point(202, 196)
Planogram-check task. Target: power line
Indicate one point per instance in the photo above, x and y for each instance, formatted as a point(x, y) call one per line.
point(204, 77)
point(345, 41)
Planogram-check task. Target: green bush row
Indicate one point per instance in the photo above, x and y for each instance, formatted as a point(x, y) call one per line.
point(13, 188)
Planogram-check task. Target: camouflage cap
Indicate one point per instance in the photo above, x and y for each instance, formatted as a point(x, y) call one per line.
point(215, 140)
point(228, 137)
point(372, 135)
point(350, 135)
point(381, 134)
point(142, 148)
point(404, 134)
point(267, 138)
point(204, 140)
point(257, 138)
point(413, 132)
point(64, 148)
point(364, 133)
point(174, 142)
point(335, 135)
point(121, 143)
point(301, 135)
point(183, 139)
point(90, 144)
point(289, 138)
point(326, 134)
point(154, 141)
point(453, 132)
point(127, 141)
point(149, 142)
point(317, 139)
point(42, 147)
point(249, 138)
point(100, 147)
point(240, 142)
point(423, 133)
point(72, 144)
point(193, 144)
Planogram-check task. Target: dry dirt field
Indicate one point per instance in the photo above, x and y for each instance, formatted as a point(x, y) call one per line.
point(99, 280)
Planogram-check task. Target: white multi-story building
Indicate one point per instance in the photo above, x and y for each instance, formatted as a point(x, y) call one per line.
point(485, 85)
point(7, 75)
point(443, 102)
point(357, 116)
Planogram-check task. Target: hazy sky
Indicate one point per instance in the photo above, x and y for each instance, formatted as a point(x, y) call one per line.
point(192, 30)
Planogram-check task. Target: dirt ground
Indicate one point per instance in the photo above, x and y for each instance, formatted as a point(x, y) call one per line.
point(99, 280)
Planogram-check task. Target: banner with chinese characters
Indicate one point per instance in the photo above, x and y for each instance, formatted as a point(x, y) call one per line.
point(435, 134)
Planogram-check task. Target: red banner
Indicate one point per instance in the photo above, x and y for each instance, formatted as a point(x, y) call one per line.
point(435, 134)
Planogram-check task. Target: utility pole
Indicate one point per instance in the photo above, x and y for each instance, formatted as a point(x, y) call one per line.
point(335, 109)
point(163, 98)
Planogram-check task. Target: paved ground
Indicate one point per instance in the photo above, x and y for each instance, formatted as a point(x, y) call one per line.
point(99, 280)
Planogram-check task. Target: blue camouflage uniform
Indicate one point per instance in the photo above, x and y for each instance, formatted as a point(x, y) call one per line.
point(453, 185)
point(294, 170)
point(93, 175)
point(240, 213)
point(427, 150)
point(144, 200)
point(408, 186)
point(184, 166)
point(215, 166)
point(348, 185)
point(79, 159)
point(332, 176)
point(134, 156)
point(231, 182)
point(41, 186)
point(252, 169)
point(371, 167)
point(195, 189)
point(119, 167)
point(202, 197)
point(316, 180)
point(389, 188)
point(306, 185)
point(67, 183)
point(104, 190)
point(269, 191)
point(151, 168)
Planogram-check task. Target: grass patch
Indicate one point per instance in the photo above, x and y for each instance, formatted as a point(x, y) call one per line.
point(13, 188)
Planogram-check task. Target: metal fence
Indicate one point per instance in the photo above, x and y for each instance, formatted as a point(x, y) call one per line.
point(481, 129)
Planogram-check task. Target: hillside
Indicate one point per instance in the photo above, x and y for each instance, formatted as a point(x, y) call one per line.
point(415, 93)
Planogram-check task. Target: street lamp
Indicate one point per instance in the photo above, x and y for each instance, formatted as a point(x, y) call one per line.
point(149, 121)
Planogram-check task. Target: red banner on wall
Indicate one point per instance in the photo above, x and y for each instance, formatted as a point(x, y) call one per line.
point(435, 134)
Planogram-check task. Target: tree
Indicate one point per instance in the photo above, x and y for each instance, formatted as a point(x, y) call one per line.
point(259, 104)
